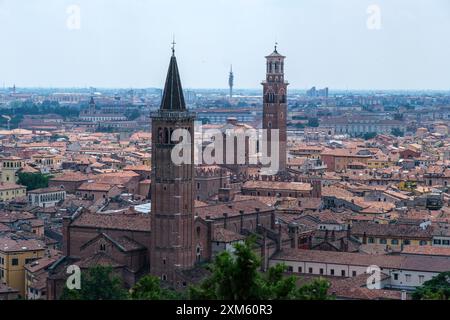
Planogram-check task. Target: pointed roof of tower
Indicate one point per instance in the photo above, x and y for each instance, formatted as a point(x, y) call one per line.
point(173, 98)
point(275, 53)
point(92, 101)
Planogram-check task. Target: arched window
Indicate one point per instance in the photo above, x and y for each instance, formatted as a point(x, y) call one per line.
point(166, 135)
point(160, 135)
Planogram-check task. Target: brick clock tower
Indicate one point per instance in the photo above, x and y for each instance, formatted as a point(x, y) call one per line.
point(275, 103)
point(172, 217)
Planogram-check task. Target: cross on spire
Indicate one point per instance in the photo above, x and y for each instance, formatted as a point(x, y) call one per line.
point(276, 44)
point(173, 45)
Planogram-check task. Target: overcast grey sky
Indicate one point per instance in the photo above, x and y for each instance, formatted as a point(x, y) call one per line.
point(126, 43)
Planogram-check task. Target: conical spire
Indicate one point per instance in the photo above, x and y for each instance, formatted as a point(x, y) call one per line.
point(173, 98)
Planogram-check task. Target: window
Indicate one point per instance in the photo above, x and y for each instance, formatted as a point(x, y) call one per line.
point(332, 272)
point(290, 269)
point(394, 242)
point(321, 271)
point(437, 241)
point(408, 277)
point(395, 276)
point(15, 262)
point(102, 247)
point(310, 270)
point(383, 241)
point(343, 273)
point(406, 242)
point(353, 273)
point(421, 279)
point(27, 261)
point(446, 242)
point(164, 277)
point(423, 242)
point(300, 270)
point(371, 240)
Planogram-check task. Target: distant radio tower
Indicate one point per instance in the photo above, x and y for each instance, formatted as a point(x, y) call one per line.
point(230, 81)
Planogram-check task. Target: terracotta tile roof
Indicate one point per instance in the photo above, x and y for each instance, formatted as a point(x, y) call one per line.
point(417, 263)
point(276, 185)
point(390, 230)
point(9, 244)
point(113, 221)
point(10, 186)
point(45, 190)
point(42, 263)
point(99, 259)
point(426, 250)
point(232, 208)
point(92, 186)
point(225, 235)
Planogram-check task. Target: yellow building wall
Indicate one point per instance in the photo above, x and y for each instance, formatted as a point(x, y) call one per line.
point(7, 195)
point(413, 242)
point(14, 275)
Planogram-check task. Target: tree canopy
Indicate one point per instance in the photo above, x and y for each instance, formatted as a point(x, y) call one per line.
point(33, 180)
point(97, 283)
point(149, 288)
point(236, 277)
point(438, 288)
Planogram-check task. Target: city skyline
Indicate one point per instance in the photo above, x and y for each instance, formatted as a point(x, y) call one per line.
point(328, 44)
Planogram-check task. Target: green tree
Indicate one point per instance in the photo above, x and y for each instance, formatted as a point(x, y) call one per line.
point(313, 122)
point(369, 135)
point(33, 180)
point(132, 114)
point(438, 288)
point(97, 283)
point(149, 288)
point(397, 132)
point(236, 277)
point(315, 290)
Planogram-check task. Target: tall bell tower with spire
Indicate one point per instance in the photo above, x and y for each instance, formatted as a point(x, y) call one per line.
point(275, 103)
point(172, 216)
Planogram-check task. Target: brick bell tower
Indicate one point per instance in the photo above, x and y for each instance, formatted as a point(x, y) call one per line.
point(275, 103)
point(172, 217)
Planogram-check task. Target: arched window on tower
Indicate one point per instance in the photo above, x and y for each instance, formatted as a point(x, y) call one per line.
point(166, 135)
point(282, 96)
point(160, 135)
point(270, 97)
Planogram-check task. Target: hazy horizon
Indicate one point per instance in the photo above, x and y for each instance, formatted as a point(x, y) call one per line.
point(126, 43)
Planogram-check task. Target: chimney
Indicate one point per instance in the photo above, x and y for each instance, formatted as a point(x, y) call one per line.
point(272, 220)
point(404, 295)
point(232, 120)
point(66, 236)
point(278, 238)
point(342, 245)
point(241, 213)
point(225, 195)
point(257, 216)
point(316, 189)
point(264, 255)
point(295, 242)
point(225, 220)
point(209, 234)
